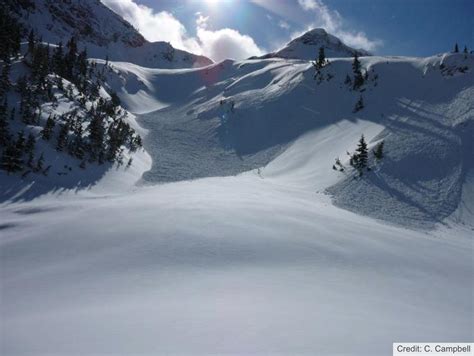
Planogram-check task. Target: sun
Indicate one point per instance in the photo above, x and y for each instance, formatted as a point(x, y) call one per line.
point(213, 3)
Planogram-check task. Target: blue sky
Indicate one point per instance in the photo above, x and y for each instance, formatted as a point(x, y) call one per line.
point(239, 28)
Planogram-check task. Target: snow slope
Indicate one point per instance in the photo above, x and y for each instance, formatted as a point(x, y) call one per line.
point(235, 116)
point(244, 264)
point(65, 172)
point(101, 31)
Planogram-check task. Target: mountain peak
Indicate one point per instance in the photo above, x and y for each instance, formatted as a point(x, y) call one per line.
point(307, 45)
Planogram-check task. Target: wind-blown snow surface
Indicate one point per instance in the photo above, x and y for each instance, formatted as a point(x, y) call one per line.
point(262, 262)
point(224, 265)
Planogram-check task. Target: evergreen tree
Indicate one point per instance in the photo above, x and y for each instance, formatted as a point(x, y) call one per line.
point(348, 80)
point(62, 137)
point(57, 60)
point(456, 48)
point(4, 127)
point(465, 50)
point(11, 159)
point(360, 157)
point(20, 141)
point(356, 68)
point(10, 34)
point(48, 129)
point(31, 158)
point(115, 100)
point(70, 60)
point(22, 86)
point(39, 163)
point(82, 63)
point(321, 61)
point(30, 144)
point(40, 65)
point(5, 80)
point(378, 151)
point(96, 130)
point(31, 42)
point(359, 105)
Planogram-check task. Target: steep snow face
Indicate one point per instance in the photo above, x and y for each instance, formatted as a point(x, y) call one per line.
point(307, 46)
point(101, 31)
point(236, 116)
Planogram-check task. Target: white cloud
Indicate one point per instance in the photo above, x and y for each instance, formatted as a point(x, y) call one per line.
point(333, 23)
point(201, 20)
point(163, 26)
point(308, 4)
point(227, 43)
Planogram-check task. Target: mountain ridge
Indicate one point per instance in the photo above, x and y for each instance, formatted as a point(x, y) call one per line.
point(104, 33)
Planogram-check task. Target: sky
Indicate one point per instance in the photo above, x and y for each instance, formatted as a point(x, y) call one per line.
point(238, 29)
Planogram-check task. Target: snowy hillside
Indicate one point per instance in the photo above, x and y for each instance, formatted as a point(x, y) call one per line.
point(257, 220)
point(307, 45)
point(101, 31)
point(236, 116)
point(59, 127)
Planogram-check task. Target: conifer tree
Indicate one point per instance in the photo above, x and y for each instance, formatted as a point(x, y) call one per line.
point(62, 137)
point(115, 100)
point(58, 60)
point(465, 50)
point(321, 61)
point(31, 42)
point(82, 63)
point(456, 48)
point(10, 34)
point(356, 68)
point(48, 129)
point(39, 163)
point(31, 158)
point(359, 105)
point(378, 151)
point(5, 79)
point(348, 80)
point(22, 86)
point(4, 127)
point(30, 144)
point(360, 157)
point(70, 60)
point(20, 141)
point(11, 159)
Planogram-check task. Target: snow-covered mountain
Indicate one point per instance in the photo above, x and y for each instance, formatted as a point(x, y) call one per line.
point(101, 31)
point(307, 46)
point(236, 116)
point(246, 211)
